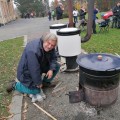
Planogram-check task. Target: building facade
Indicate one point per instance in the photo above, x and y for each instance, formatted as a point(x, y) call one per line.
point(7, 12)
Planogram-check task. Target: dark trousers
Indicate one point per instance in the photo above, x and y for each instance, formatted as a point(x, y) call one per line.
point(75, 19)
point(45, 79)
point(118, 22)
point(94, 26)
point(24, 89)
point(114, 22)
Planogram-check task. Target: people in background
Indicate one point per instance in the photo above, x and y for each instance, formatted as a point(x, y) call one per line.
point(75, 16)
point(49, 15)
point(59, 12)
point(116, 16)
point(95, 11)
point(28, 15)
point(53, 14)
point(82, 14)
point(38, 57)
point(32, 15)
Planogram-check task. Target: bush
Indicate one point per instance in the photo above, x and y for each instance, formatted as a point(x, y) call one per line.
point(65, 15)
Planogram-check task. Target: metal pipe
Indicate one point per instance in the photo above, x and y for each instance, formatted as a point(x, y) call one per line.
point(90, 21)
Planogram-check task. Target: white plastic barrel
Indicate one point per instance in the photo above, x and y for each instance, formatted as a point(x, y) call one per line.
point(69, 42)
point(56, 27)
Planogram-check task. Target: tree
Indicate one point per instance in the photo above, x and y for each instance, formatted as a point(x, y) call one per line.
point(30, 6)
point(104, 5)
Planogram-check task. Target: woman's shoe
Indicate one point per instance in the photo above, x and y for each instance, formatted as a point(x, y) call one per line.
point(42, 94)
point(30, 95)
point(11, 86)
point(39, 97)
point(34, 98)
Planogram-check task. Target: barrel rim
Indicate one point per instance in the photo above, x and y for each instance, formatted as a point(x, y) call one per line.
point(68, 33)
point(58, 27)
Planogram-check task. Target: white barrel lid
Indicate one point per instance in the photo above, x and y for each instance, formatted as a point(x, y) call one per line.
point(68, 31)
point(58, 26)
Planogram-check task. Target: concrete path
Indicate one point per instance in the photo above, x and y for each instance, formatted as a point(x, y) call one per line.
point(33, 28)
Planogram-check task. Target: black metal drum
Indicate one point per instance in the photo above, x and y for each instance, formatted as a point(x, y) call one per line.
point(99, 77)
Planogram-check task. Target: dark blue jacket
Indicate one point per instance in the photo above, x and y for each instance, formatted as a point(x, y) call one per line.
point(94, 14)
point(59, 13)
point(33, 60)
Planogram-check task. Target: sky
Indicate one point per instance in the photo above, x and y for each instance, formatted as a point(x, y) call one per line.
point(50, 2)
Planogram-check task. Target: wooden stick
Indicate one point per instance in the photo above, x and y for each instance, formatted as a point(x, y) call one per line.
point(58, 89)
point(57, 85)
point(44, 111)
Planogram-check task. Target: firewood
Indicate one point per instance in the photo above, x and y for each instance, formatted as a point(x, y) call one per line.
point(58, 89)
point(44, 111)
point(57, 85)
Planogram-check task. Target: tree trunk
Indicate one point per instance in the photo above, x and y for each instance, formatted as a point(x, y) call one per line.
point(70, 10)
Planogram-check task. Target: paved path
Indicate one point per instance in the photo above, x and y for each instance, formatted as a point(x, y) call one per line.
point(33, 27)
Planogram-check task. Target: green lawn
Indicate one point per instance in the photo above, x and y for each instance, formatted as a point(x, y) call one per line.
point(104, 42)
point(10, 52)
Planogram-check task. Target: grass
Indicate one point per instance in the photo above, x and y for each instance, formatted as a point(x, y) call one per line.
point(10, 52)
point(103, 42)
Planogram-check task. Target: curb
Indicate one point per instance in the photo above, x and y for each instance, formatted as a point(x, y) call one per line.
point(17, 99)
point(16, 106)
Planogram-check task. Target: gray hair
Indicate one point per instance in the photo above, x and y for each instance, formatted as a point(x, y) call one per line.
point(49, 36)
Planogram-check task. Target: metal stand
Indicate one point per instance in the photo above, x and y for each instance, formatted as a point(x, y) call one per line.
point(69, 64)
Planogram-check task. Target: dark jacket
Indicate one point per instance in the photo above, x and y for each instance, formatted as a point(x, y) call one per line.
point(116, 11)
point(94, 14)
point(59, 13)
point(82, 14)
point(49, 14)
point(34, 61)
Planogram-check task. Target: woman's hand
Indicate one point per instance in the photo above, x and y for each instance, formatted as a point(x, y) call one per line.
point(39, 86)
point(49, 74)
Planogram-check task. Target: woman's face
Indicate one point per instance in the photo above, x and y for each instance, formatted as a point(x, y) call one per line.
point(49, 45)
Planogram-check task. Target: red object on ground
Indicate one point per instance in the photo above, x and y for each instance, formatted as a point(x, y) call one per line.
point(107, 15)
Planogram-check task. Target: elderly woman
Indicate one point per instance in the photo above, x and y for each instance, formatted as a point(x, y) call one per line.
point(38, 57)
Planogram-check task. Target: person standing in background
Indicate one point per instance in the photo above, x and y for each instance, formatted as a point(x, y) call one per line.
point(95, 11)
point(53, 14)
point(31, 15)
point(59, 12)
point(82, 14)
point(116, 16)
point(75, 16)
point(49, 15)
